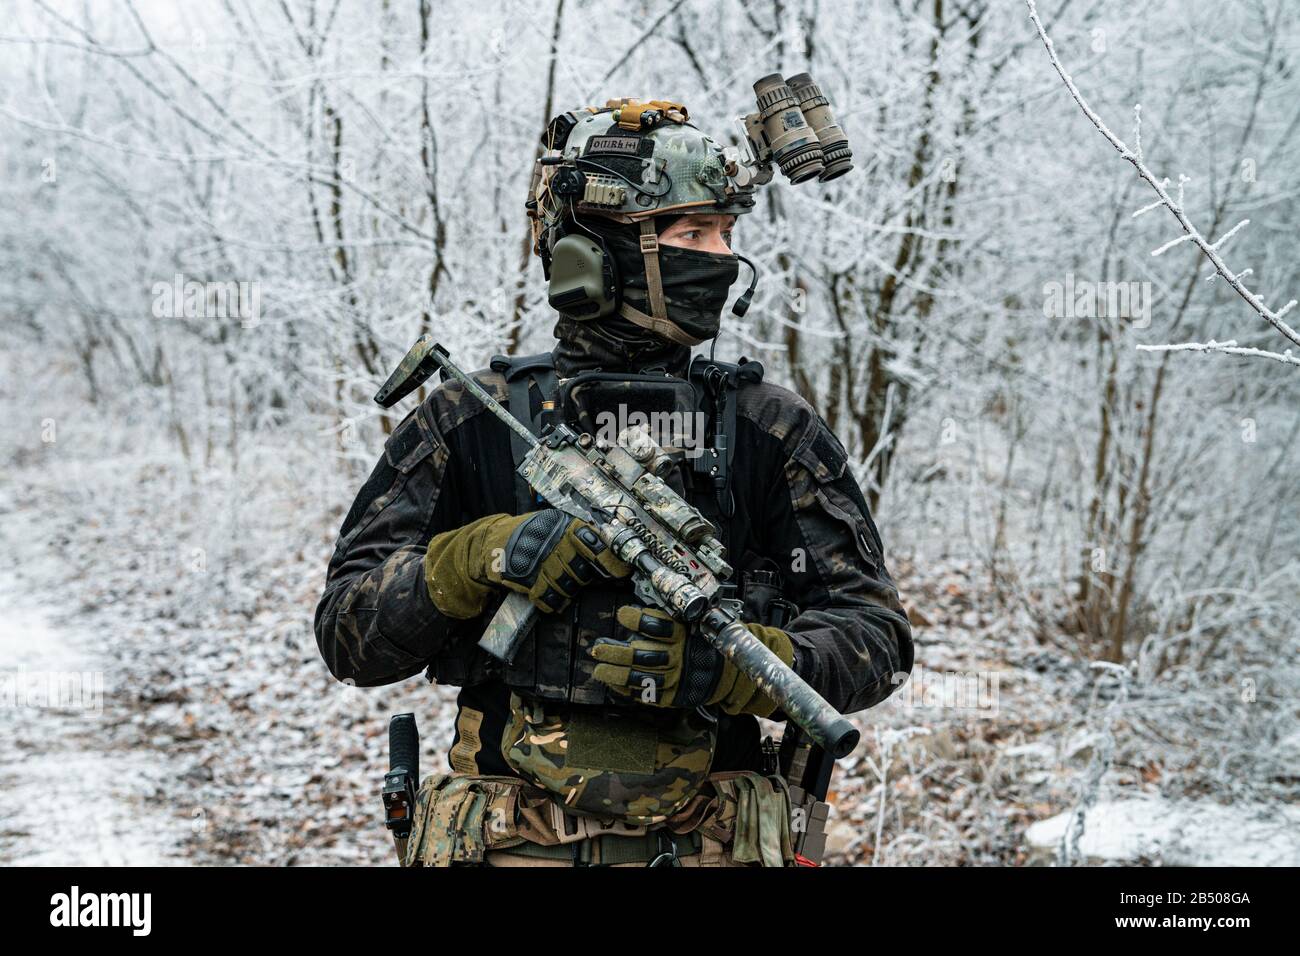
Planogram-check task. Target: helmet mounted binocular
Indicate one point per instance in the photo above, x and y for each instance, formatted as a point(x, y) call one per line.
point(794, 128)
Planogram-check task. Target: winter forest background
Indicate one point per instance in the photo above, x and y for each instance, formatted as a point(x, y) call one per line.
point(1097, 544)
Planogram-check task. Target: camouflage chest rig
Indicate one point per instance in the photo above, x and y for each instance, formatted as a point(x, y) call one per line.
point(705, 406)
point(709, 391)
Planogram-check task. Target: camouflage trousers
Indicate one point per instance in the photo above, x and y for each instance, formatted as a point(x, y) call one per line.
point(737, 819)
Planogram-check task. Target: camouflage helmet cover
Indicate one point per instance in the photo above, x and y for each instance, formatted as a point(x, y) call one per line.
point(640, 160)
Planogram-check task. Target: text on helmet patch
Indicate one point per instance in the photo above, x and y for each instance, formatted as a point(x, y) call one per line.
point(624, 145)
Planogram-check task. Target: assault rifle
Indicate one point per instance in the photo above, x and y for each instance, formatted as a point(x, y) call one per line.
point(677, 562)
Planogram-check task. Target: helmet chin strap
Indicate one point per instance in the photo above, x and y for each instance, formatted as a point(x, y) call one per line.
point(658, 321)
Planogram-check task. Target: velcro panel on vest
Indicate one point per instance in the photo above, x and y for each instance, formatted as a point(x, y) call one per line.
point(607, 743)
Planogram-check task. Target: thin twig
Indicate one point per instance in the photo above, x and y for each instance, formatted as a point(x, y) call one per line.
point(1208, 249)
point(1228, 348)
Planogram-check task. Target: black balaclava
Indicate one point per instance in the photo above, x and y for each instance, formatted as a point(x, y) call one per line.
point(614, 344)
point(695, 286)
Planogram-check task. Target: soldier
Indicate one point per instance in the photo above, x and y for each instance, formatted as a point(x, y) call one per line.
point(614, 736)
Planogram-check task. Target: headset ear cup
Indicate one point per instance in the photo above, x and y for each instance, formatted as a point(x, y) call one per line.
point(580, 280)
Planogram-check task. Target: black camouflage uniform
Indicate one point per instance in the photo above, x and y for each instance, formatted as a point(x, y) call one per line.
point(449, 463)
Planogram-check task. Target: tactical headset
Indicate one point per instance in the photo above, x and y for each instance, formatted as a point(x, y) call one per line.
point(584, 282)
point(582, 272)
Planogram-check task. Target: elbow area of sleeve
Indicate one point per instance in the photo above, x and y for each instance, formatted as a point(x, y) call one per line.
point(855, 656)
point(382, 627)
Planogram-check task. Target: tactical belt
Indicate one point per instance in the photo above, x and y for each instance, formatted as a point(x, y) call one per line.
point(738, 818)
point(659, 845)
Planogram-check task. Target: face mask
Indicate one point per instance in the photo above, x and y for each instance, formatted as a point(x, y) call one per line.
point(695, 284)
point(613, 344)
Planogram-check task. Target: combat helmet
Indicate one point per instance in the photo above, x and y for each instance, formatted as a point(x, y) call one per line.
point(627, 162)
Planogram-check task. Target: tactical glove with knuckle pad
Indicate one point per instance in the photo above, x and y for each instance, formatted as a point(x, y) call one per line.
point(544, 554)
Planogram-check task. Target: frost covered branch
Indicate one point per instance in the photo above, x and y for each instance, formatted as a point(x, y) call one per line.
point(1208, 249)
point(1228, 348)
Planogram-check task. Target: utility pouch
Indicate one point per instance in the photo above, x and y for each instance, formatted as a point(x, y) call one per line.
point(746, 813)
point(638, 766)
point(760, 821)
point(459, 817)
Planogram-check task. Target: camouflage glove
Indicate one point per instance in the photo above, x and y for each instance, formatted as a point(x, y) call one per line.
point(661, 665)
point(544, 554)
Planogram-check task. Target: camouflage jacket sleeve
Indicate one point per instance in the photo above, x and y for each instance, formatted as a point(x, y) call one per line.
point(852, 638)
point(375, 623)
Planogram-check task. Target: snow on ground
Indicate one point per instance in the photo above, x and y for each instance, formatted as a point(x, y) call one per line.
point(1179, 833)
point(191, 585)
point(221, 741)
point(74, 792)
point(223, 738)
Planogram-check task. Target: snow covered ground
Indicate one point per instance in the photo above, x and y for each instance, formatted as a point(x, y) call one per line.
point(1179, 833)
point(209, 734)
point(73, 791)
